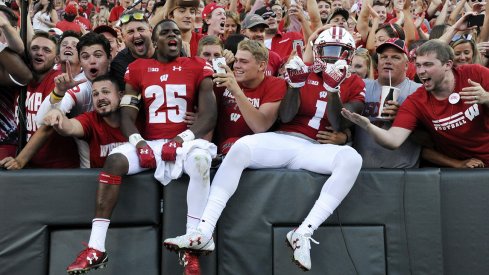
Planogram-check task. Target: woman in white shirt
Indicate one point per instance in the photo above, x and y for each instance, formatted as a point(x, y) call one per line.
point(44, 16)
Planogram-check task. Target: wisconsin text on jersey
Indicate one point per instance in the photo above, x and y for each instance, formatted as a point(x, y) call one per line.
point(254, 101)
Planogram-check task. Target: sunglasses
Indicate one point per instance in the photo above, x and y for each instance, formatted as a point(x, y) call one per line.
point(268, 15)
point(137, 16)
point(457, 37)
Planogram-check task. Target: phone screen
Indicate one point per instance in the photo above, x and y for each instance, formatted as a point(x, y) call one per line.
point(475, 20)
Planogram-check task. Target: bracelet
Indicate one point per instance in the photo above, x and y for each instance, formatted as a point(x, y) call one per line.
point(55, 96)
point(186, 135)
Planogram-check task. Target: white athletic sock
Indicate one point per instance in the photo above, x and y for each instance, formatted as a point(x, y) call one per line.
point(192, 223)
point(321, 210)
point(98, 234)
point(215, 205)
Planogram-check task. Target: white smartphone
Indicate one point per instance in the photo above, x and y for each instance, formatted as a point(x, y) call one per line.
point(216, 65)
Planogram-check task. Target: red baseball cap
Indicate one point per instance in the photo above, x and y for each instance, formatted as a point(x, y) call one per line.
point(71, 10)
point(209, 8)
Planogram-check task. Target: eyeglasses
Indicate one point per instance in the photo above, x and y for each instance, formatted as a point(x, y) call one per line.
point(268, 15)
point(473, 1)
point(466, 37)
point(137, 16)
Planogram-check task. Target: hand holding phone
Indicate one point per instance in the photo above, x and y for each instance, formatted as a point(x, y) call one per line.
point(475, 20)
point(216, 65)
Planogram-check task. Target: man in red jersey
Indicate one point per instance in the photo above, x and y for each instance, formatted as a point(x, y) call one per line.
point(44, 150)
point(100, 127)
point(452, 105)
point(169, 86)
point(303, 113)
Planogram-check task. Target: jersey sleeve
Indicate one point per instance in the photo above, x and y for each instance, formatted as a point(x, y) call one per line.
point(355, 88)
point(406, 116)
point(132, 75)
point(85, 121)
point(207, 69)
point(275, 90)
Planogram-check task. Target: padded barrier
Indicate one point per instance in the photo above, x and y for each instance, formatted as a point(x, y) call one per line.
point(424, 221)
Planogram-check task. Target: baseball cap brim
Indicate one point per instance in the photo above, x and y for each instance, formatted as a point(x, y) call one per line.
point(105, 28)
point(383, 46)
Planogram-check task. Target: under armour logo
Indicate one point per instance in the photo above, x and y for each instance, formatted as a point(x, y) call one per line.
point(196, 240)
point(94, 258)
point(144, 151)
point(179, 68)
point(173, 145)
point(234, 117)
point(294, 244)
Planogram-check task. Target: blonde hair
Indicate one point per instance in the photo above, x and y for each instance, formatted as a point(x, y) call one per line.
point(257, 49)
point(363, 53)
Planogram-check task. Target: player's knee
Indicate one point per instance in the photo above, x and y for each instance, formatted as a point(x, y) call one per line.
point(198, 164)
point(239, 152)
point(116, 164)
point(350, 158)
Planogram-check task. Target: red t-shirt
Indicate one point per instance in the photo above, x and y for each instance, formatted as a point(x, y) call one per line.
point(115, 13)
point(168, 90)
point(68, 26)
point(85, 23)
point(58, 151)
point(194, 43)
point(312, 115)
point(231, 124)
point(459, 130)
point(101, 137)
point(282, 43)
point(274, 63)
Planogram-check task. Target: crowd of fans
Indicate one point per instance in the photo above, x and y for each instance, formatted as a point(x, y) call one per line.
point(219, 27)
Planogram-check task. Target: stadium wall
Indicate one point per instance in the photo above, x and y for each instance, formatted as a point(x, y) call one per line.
point(423, 221)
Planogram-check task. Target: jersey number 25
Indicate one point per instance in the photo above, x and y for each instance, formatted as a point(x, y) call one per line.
point(175, 106)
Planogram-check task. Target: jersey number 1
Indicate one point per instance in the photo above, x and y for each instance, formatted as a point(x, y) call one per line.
point(175, 106)
point(315, 121)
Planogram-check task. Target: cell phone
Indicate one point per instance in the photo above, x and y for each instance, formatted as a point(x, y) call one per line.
point(475, 20)
point(216, 65)
point(298, 45)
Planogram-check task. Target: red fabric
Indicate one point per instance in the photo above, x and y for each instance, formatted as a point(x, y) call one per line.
point(168, 90)
point(312, 115)
point(68, 26)
point(230, 123)
point(100, 137)
point(115, 13)
point(109, 179)
point(58, 151)
point(169, 150)
point(282, 43)
point(194, 43)
point(459, 130)
point(84, 22)
point(274, 63)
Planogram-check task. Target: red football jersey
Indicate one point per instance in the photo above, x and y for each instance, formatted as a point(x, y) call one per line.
point(231, 124)
point(168, 91)
point(312, 115)
point(101, 137)
point(459, 130)
point(58, 151)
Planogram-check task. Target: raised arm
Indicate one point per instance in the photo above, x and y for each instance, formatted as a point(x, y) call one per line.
point(14, 70)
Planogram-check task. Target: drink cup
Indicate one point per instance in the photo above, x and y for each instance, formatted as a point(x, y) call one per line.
point(388, 93)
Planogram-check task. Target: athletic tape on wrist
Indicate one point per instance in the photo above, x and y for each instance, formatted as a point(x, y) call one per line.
point(130, 101)
point(134, 139)
point(187, 135)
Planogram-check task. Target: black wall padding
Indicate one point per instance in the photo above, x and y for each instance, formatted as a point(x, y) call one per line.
point(424, 221)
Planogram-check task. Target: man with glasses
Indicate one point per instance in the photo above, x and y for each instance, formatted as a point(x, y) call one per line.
point(136, 33)
point(167, 86)
point(280, 42)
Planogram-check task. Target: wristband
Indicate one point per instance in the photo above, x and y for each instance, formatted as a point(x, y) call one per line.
point(186, 135)
point(55, 96)
point(134, 139)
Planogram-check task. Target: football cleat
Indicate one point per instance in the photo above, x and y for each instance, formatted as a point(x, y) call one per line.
point(194, 241)
point(301, 245)
point(88, 259)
